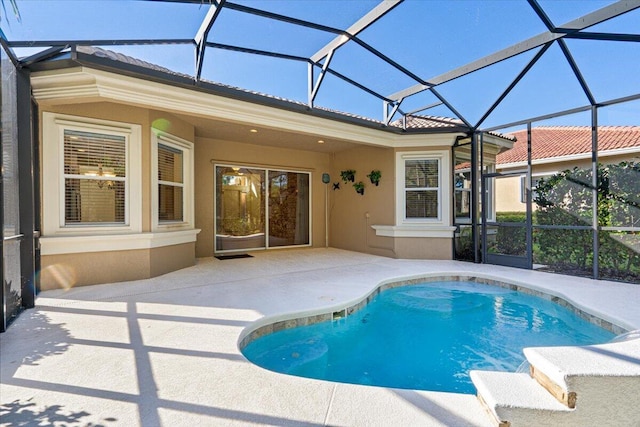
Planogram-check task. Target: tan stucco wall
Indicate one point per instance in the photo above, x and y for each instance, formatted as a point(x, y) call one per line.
point(208, 151)
point(352, 215)
point(170, 258)
point(507, 195)
point(350, 228)
point(71, 270)
point(424, 248)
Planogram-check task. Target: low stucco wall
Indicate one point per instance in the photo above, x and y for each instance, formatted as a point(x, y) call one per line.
point(423, 248)
point(71, 270)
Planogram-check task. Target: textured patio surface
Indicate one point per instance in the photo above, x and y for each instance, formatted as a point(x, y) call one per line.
point(164, 351)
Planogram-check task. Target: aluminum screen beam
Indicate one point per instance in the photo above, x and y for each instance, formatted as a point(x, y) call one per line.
point(584, 35)
point(356, 84)
point(537, 119)
point(350, 33)
point(389, 113)
point(7, 48)
point(374, 14)
point(586, 21)
point(257, 52)
point(513, 84)
point(541, 14)
point(281, 18)
point(576, 71)
point(97, 42)
point(450, 107)
point(313, 88)
point(43, 56)
point(426, 107)
point(200, 38)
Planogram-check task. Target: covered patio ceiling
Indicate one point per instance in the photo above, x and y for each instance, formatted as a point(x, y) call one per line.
point(488, 64)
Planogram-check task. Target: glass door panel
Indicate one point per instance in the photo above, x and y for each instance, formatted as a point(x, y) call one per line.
point(288, 208)
point(506, 236)
point(240, 208)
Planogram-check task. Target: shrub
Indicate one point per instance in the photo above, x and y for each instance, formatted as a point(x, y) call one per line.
point(566, 199)
point(510, 240)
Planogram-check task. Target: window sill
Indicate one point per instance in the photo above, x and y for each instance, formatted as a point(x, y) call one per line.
point(438, 231)
point(58, 245)
point(166, 227)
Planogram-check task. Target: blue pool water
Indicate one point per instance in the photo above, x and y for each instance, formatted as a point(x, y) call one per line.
point(426, 337)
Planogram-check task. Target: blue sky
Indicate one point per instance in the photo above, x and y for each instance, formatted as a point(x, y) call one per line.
point(428, 37)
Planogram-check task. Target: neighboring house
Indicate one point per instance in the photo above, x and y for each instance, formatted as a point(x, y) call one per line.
point(555, 149)
point(142, 171)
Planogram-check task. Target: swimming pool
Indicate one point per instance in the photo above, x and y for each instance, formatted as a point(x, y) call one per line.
point(424, 336)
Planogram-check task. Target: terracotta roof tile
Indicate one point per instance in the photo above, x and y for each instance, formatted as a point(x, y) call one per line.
point(557, 141)
point(425, 122)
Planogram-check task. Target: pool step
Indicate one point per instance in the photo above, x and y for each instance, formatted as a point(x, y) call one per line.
point(514, 399)
point(567, 386)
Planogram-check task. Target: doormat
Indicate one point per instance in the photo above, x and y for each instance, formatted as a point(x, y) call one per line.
point(234, 256)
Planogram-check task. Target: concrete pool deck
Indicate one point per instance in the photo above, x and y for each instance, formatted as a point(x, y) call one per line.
point(164, 351)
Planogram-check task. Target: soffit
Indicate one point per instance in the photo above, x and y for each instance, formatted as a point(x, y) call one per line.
point(241, 132)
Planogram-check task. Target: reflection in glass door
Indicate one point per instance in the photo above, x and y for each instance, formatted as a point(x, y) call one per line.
point(288, 208)
point(261, 208)
point(240, 208)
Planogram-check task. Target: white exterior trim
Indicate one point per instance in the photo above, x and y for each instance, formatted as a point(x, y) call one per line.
point(414, 231)
point(159, 137)
point(62, 86)
point(53, 174)
point(115, 242)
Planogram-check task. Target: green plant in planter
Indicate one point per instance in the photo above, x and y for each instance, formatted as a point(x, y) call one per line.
point(348, 175)
point(359, 186)
point(375, 176)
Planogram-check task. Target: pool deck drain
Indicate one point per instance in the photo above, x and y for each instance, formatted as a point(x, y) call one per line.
point(165, 352)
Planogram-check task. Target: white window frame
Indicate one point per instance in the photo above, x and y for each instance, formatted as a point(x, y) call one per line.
point(444, 185)
point(53, 178)
point(186, 147)
point(523, 189)
point(491, 194)
point(467, 219)
point(535, 178)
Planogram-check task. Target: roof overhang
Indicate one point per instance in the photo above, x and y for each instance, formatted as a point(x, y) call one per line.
point(68, 80)
point(492, 143)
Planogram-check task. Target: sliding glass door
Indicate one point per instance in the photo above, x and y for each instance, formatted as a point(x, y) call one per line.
point(288, 208)
point(261, 208)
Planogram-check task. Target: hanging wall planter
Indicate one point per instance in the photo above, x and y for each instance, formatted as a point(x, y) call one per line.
point(359, 186)
point(375, 176)
point(348, 175)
